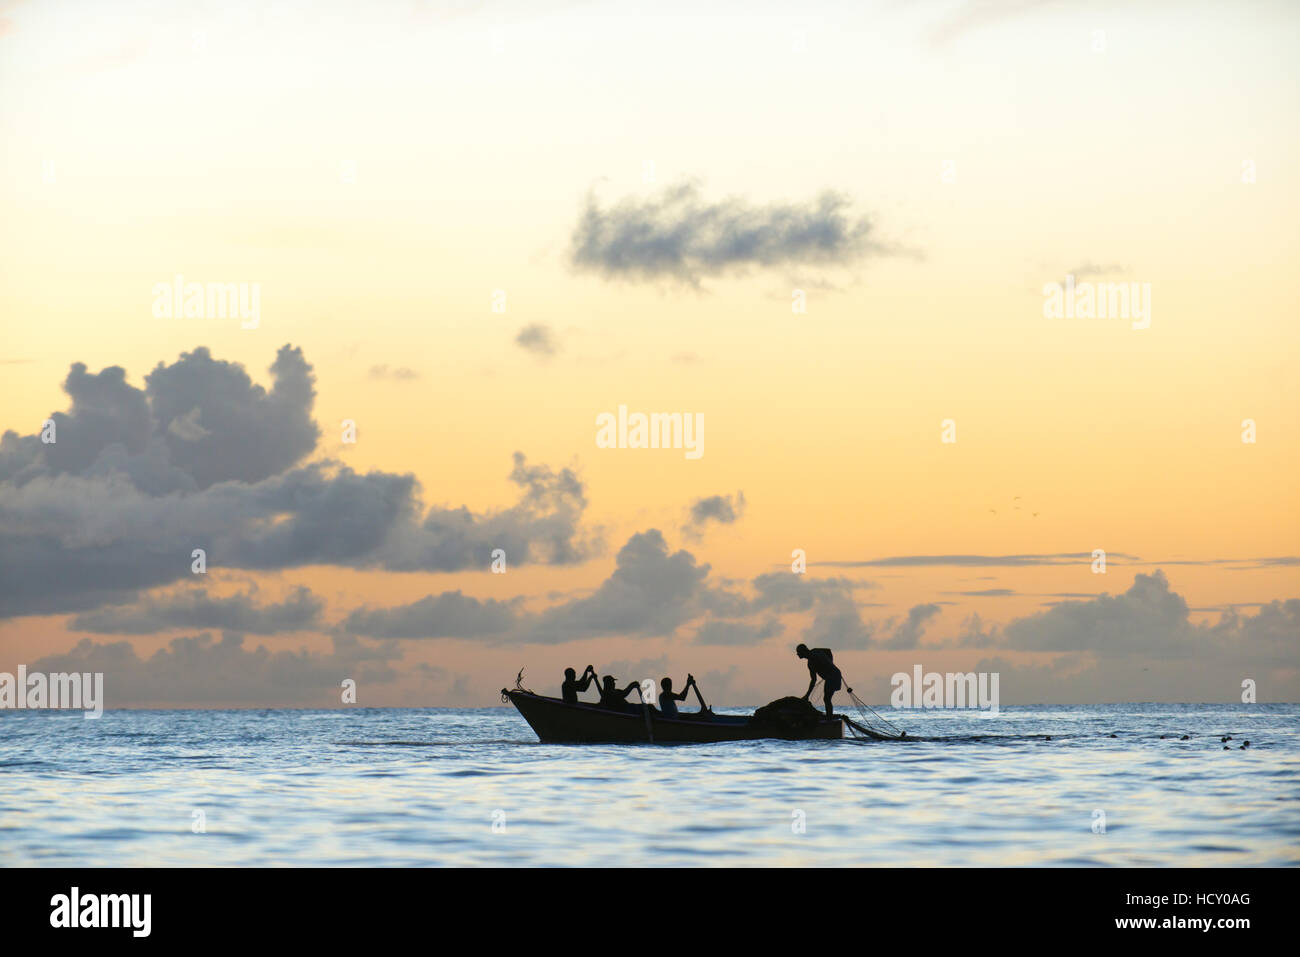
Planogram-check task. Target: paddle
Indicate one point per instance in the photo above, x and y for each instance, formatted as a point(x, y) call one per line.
point(690, 680)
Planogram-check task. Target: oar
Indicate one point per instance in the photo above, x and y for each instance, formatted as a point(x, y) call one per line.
point(645, 710)
point(703, 707)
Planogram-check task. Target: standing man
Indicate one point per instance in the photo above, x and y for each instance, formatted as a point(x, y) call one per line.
point(821, 664)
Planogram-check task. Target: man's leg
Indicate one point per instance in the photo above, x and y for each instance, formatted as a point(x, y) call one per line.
point(830, 713)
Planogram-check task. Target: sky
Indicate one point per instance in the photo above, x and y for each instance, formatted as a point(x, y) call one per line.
point(829, 233)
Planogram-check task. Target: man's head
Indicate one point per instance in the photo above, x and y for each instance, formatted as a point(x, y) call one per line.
point(609, 682)
point(801, 650)
point(570, 674)
point(666, 684)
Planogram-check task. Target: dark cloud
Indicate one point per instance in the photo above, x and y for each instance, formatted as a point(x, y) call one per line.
point(651, 592)
point(677, 235)
point(195, 608)
point(247, 432)
point(538, 339)
point(724, 509)
point(717, 632)
point(204, 458)
point(451, 614)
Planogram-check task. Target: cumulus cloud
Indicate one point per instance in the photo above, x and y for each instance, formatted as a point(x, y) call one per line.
point(203, 458)
point(200, 670)
point(1152, 620)
point(678, 235)
point(1144, 641)
point(195, 608)
point(650, 592)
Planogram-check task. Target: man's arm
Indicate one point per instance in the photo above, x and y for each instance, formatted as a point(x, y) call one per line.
point(812, 678)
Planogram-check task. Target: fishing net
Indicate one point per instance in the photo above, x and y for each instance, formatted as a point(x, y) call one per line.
point(787, 718)
point(871, 725)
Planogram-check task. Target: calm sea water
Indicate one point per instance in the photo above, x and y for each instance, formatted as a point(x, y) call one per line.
point(424, 787)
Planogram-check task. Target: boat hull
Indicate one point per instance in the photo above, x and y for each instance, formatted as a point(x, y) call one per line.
point(559, 723)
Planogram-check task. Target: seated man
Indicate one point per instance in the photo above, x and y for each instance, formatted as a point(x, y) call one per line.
point(573, 684)
point(668, 698)
point(612, 697)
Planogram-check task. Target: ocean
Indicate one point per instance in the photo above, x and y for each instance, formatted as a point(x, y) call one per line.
point(1113, 785)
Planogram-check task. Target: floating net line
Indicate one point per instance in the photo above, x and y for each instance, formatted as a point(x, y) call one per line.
point(870, 724)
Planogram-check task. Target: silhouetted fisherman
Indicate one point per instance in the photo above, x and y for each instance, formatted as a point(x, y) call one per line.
point(668, 698)
point(573, 684)
point(612, 697)
point(821, 664)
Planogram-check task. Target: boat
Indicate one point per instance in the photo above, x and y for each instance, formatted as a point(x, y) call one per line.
point(558, 722)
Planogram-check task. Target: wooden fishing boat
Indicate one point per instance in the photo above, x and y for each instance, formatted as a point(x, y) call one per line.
point(582, 723)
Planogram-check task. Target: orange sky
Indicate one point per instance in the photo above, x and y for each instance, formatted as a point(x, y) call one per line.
point(382, 178)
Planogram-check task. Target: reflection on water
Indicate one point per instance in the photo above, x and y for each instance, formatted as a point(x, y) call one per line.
point(461, 787)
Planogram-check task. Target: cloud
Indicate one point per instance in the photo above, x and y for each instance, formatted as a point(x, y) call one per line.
point(393, 373)
point(651, 592)
point(677, 235)
point(1148, 621)
point(203, 458)
point(538, 339)
point(908, 634)
point(837, 623)
point(199, 671)
point(978, 561)
point(451, 614)
point(723, 509)
point(248, 433)
point(195, 608)
point(716, 632)
point(718, 508)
